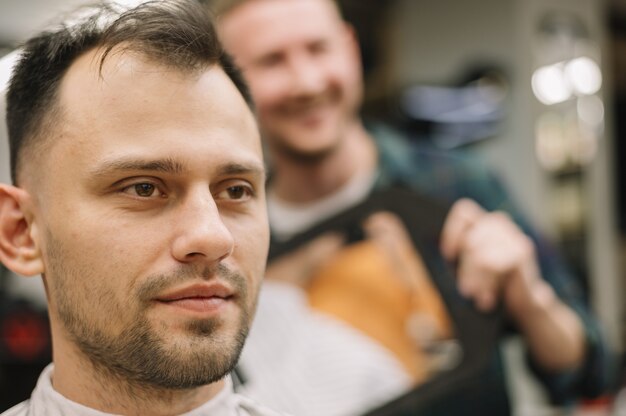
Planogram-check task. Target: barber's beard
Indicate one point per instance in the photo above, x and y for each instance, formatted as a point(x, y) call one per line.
point(306, 158)
point(290, 143)
point(288, 149)
point(139, 355)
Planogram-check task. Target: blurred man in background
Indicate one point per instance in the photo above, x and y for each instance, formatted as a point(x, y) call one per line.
point(302, 63)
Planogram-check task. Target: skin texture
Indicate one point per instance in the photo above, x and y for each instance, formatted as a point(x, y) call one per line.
point(157, 187)
point(302, 64)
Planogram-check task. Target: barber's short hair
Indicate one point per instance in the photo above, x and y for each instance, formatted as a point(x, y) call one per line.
point(220, 7)
point(176, 33)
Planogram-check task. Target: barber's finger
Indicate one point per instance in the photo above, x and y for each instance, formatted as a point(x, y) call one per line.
point(493, 249)
point(387, 229)
point(471, 276)
point(477, 282)
point(487, 300)
point(462, 216)
point(495, 243)
point(480, 268)
point(322, 248)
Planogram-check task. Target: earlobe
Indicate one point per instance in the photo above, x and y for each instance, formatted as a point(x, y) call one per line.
point(18, 250)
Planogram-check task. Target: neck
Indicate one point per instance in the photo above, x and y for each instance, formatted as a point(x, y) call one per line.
point(298, 182)
point(78, 379)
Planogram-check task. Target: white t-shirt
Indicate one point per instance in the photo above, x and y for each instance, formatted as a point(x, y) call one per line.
point(45, 401)
point(305, 363)
point(288, 219)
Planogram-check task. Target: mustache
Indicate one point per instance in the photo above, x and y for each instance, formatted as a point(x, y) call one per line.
point(156, 284)
point(301, 104)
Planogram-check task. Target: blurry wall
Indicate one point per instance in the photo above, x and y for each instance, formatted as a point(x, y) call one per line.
point(435, 41)
point(5, 67)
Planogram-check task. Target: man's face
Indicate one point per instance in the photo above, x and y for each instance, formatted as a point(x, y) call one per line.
point(302, 64)
point(150, 214)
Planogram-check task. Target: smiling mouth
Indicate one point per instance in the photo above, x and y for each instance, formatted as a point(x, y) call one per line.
point(313, 105)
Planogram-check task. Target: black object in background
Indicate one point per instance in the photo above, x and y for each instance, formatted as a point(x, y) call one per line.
point(25, 347)
point(476, 332)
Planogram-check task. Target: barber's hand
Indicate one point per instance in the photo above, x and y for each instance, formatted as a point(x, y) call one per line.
point(495, 259)
point(387, 231)
point(300, 265)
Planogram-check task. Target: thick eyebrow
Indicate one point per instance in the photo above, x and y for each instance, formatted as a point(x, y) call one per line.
point(121, 165)
point(174, 167)
point(250, 168)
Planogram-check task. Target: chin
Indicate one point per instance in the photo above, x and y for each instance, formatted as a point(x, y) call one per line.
point(309, 144)
point(306, 155)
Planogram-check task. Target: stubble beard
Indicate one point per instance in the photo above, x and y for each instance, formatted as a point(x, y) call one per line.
point(282, 144)
point(284, 147)
point(307, 158)
point(139, 356)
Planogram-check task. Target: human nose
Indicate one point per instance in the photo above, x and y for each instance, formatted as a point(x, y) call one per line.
point(307, 77)
point(201, 233)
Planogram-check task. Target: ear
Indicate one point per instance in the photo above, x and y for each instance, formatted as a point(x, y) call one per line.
point(18, 251)
point(352, 40)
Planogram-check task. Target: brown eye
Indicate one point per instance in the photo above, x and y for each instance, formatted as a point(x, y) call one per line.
point(144, 189)
point(236, 192)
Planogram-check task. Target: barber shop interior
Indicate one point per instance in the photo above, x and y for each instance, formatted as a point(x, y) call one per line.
point(505, 115)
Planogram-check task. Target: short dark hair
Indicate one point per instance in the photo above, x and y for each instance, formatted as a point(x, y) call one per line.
point(221, 7)
point(176, 33)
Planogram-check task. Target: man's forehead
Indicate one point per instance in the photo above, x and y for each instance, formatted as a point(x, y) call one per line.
point(99, 66)
point(132, 93)
point(269, 11)
point(93, 86)
point(259, 24)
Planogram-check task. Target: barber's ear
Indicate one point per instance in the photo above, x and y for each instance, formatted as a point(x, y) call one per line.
point(350, 32)
point(18, 251)
point(353, 40)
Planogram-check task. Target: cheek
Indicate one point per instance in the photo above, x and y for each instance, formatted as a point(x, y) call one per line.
point(268, 90)
point(250, 257)
point(114, 235)
point(252, 244)
point(113, 253)
point(352, 78)
point(340, 69)
point(74, 279)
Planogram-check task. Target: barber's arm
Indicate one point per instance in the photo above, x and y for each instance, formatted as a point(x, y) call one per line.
point(496, 262)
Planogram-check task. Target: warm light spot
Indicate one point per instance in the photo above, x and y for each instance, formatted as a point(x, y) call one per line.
point(550, 84)
point(584, 75)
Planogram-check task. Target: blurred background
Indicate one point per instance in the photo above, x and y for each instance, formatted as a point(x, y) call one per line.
point(535, 87)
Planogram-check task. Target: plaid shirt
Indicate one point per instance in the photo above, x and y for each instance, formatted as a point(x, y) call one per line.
point(449, 176)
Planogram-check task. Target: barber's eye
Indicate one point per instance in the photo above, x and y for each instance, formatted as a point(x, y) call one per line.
point(144, 189)
point(318, 47)
point(270, 60)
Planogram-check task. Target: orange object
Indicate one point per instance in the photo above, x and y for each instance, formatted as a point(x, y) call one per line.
point(380, 293)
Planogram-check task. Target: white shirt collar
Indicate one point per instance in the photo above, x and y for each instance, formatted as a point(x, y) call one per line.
point(45, 400)
point(288, 219)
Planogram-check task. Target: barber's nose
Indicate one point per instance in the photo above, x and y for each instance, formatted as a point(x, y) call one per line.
point(201, 234)
point(307, 78)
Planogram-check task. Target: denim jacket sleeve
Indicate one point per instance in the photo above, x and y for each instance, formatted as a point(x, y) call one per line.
point(451, 176)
